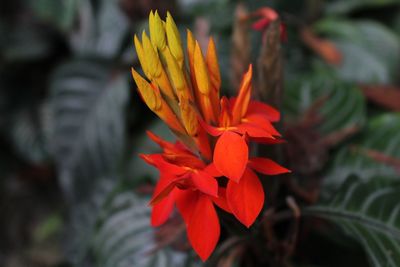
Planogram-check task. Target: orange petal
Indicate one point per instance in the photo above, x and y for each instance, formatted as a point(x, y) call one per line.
point(267, 166)
point(231, 155)
point(246, 198)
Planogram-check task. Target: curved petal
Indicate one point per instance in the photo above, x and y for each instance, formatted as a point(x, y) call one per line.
point(206, 183)
point(203, 229)
point(231, 154)
point(262, 122)
point(164, 186)
point(214, 131)
point(162, 165)
point(246, 198)
point(185, 201)
point(162, 210)
point(253, 131)
point(257, 107)
point(212, 170)
point(266, 166)
point(221, 201)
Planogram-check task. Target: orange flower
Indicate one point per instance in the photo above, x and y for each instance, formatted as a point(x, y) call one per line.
point(214, 134)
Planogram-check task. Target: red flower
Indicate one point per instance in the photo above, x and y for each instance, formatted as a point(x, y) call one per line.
point(245, 198)
point(240, 117)
point(190, 184)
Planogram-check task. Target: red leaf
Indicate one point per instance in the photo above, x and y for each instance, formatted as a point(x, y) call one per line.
point(162, 210)
point(205, 183)
point(203, 228)
point(246, 198)
point(266, 166)
point(231, 155)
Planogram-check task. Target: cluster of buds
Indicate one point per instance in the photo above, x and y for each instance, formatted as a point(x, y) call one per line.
point(209, 165)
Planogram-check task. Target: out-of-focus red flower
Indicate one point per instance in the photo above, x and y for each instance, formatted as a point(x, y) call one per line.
point(265, 16)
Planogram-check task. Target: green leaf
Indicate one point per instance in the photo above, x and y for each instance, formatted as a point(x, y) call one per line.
point(370, 213)
point(344, 105)
point(382, 135)
point(88, 123)
point(363, 43)
point(347, 6)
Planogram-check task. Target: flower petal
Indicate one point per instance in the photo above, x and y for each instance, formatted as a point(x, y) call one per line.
point(214, 131)
point(231, 155)
point(266, 166)
point(203, 229)
point(221, 201)
point(246, 198)
point(253, 131)
point(212, 170)
point(258, 107)
point(262, 122)
point(163, 188)
point(205, 183)
point(162, 210)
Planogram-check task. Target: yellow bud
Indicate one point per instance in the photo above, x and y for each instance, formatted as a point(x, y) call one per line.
point(189, 117)
point(157, 32)
point(200, 71)
point(174, 39)
point(153, 61)
point(175, 73)
point(151, 96)
point(141, 56)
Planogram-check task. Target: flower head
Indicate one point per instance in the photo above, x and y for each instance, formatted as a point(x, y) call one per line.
point(210, 165)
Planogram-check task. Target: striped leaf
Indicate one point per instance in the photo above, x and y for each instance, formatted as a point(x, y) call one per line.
point(368, 211)
point(381, 135)
point(344, 105)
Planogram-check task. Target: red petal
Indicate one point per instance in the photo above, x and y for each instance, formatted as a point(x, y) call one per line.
point(253, 131)
point(164, 186)
point(162, 165)
point(214, 131)
point(231, 155)
point(203, 229)
point(266, 166)
point(262, 122)
point(221, 201)
point(260, 108)
point(268, 141)
point(205, 183)
point(162, 210)
point(246, 198)
point(212, 170)
point(185, 201)
point(261, 24)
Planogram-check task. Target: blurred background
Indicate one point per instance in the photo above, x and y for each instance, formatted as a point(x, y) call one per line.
point(72, 188)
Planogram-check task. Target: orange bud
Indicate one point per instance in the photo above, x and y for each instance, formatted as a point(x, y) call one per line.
point(176, 76)
point(152, 97)
point(189, 117)
point(243, 99)
point(213, 66)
